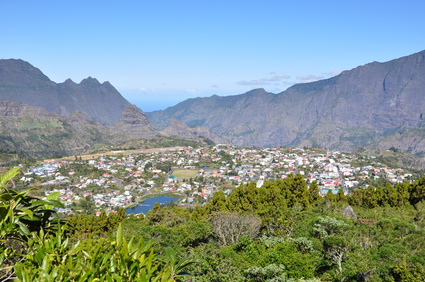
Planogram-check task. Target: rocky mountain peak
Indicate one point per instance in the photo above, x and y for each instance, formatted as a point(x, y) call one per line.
point(15, 72)
point(23, 83)
point(357, 108)
point(69, 82)
point(90, 81)
point(132, 115)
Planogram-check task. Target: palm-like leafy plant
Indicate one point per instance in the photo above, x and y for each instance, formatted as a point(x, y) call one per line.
point(21, 214)
point(113, 259)
point(34, 247)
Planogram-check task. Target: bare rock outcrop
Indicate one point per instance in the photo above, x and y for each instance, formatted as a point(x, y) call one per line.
point(378, 104)
point(179, 129)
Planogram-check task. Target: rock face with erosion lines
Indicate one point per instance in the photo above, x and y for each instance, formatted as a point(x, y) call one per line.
point(371, 106)
point(23, 83)
point(40, 118)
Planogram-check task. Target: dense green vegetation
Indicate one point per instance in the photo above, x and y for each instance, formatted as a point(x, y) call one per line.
point(37, 246)
point(283, 231)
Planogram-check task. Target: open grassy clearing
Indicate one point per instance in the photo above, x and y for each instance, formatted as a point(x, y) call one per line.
point(185, 173)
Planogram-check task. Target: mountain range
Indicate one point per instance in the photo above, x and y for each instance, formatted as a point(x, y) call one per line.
point(40, 118)
point(23, 83)
point(371, 106)
point(378, 105)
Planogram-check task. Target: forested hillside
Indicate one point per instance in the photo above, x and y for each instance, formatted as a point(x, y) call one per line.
point(283, 231)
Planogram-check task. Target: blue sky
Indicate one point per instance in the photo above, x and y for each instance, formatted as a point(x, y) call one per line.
point(158, 53)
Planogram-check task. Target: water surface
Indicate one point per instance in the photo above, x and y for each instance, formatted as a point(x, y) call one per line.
point(148, 204)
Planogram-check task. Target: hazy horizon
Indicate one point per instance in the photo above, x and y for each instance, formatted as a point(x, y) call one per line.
point(159, 53)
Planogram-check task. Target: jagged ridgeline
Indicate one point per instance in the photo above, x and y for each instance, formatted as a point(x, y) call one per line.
point(41, 118)
point(378, 105)
point(23, 83)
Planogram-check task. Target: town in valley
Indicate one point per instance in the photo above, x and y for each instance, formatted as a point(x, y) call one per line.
point(122, 179)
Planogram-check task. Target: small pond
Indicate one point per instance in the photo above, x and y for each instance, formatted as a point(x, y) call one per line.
point(148, 204)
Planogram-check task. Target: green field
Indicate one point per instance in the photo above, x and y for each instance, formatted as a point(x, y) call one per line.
point(184, 173)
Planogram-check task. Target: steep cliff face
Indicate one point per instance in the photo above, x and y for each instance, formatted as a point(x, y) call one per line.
point(179, 129)
point(9, 108)
point(40, 118)
point(23, 83)
point(35, 132)
point(98, 102)
point(357, 108)
point(132, 125)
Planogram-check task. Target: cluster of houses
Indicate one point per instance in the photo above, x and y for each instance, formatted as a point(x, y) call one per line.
point(331, 170)
point(109, 182)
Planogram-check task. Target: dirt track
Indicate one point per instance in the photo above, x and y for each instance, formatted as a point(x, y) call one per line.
point(123, 152)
